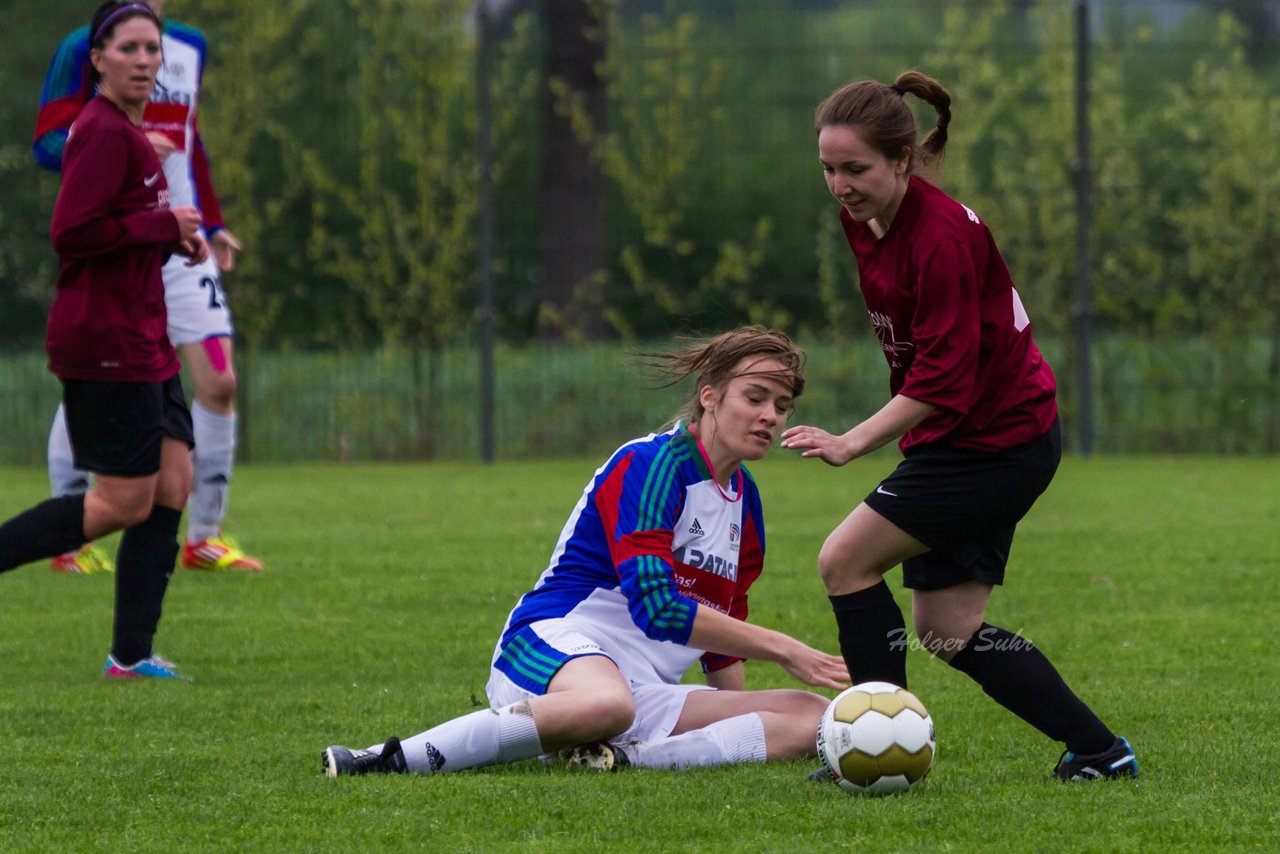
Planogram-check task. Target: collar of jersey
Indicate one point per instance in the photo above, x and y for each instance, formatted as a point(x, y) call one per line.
point(704, 465)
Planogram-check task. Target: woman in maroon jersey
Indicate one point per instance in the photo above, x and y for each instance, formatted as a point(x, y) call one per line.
point(973, 407)
point(129, 424)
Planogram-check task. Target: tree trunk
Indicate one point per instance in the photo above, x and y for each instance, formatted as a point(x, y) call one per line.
point(571, 240)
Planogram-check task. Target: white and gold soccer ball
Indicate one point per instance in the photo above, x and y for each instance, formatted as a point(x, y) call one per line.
point(877, 739)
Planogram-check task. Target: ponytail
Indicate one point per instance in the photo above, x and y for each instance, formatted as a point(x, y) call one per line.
point(884, 120)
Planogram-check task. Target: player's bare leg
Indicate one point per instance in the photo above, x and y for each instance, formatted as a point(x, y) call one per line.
point(720, 728)
point(788, 718)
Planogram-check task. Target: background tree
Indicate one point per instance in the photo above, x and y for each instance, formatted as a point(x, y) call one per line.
point(401, 228)
point(666, 126)
point(571, 230)
point(1230, 222)
point(28, 265)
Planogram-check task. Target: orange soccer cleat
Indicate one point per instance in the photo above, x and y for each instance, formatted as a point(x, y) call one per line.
point(217, 553)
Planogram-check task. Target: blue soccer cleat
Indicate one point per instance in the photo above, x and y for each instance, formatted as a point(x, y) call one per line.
point(151, 667)
point(1118, 761)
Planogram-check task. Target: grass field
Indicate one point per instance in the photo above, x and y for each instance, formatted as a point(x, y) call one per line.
point(1152, 584)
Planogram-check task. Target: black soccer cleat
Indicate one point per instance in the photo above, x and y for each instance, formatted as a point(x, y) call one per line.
point(1119, 761)
point(821, 774)
point(339, 761)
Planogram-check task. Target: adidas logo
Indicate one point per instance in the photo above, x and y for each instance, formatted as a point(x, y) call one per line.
point(695, 528)
point(435, 759)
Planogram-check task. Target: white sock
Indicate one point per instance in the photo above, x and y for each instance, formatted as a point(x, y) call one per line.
point(215, 450)
point(725, 742)
point(64, 477)
point(480, 738)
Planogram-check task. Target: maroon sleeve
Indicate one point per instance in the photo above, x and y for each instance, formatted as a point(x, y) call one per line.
point(85, 223)
point(946, 329)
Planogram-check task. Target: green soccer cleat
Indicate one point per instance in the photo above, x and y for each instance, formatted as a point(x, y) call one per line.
point(85, 560)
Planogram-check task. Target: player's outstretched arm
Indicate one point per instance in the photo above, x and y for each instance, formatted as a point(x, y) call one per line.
point(893, 420)
point(721, 633)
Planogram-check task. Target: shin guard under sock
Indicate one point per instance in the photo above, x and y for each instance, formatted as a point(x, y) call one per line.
point(479, 738)
point(733, 740)
point(1018, 676)
point(144, 564)
point(873, 635)
point(214, 455)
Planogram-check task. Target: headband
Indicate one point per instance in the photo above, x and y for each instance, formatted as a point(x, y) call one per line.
point(141, 8)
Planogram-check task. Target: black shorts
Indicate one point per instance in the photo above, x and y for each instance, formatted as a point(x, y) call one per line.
point(118, 428)
point(964, 505)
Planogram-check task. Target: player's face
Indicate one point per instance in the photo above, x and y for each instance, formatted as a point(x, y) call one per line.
point(742, 420)
point(865, 182)
point(129, 61)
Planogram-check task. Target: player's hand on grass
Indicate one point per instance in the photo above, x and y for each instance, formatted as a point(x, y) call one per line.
point(816, 442)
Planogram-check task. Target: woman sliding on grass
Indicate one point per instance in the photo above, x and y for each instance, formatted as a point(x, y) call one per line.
point(650, 575)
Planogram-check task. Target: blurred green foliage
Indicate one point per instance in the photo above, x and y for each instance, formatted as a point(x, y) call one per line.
point(342, 137)
point(342, 140)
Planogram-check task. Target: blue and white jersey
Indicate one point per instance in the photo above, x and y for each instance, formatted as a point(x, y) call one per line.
point(653, 538)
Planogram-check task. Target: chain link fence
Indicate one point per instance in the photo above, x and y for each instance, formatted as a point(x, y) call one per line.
point(344, 144)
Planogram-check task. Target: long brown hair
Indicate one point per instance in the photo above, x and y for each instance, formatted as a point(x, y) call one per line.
point(884, 120)
point(714, 360)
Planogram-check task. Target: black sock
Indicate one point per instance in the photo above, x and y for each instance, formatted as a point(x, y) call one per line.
point(143, 566)
point(873, 636)
point(1017, 676)
point(48, 529)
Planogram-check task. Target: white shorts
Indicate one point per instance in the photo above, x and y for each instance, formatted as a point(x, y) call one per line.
point(194, 300)
point(658, 703)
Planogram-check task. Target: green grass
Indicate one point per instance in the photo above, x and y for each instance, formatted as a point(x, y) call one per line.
point(1152, 584)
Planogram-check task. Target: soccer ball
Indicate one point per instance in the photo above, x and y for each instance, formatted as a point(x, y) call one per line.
point(876, 738)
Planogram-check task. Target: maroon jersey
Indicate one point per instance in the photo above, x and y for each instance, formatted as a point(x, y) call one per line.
point(112, 230)
point(952, 326)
